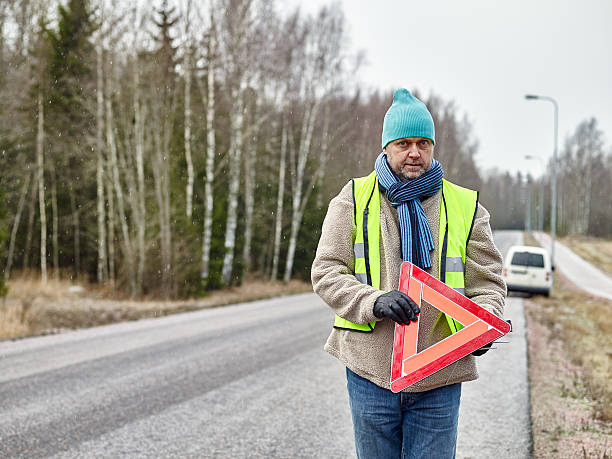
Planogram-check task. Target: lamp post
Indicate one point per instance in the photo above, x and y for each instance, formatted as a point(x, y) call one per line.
point(541, 199)
point(553, 217)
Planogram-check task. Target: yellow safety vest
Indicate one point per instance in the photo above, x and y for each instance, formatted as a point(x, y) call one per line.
point(457, 213)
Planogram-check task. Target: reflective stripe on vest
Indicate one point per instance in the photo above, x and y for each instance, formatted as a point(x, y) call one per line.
point(458, 202)
point(366, 247)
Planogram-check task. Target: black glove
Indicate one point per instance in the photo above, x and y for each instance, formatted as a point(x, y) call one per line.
point(397, 306)
point(483, 349)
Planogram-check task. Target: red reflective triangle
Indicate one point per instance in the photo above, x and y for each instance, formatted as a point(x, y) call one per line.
point(480, 327)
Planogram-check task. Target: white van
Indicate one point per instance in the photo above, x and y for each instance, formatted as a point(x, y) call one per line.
point(528, 269)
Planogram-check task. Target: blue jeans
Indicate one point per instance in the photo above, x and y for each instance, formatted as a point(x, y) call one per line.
point(403, 425)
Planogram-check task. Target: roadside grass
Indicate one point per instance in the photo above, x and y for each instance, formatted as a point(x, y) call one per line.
point(570, 352)
point(594, 250)
point(31, 308)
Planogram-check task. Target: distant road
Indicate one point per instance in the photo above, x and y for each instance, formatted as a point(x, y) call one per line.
point(580, 272)
point(242, 381)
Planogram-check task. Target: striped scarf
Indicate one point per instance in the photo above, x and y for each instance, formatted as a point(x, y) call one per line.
point(417, 240)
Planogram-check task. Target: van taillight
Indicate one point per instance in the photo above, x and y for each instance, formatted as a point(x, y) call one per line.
point(547, 277)
point(505, 272)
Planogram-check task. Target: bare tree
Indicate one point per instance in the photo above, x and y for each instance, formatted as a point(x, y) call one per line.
point(102, 265)
point(320, 64)
point(278, 224)
point(139, 148)
point(582, 149)
point(187, 131)
point(290, 38)
point(40, 163)
point(54, 221)
point(31, 214)
point(112, 272)
point(20, 205)
point(250, 161)
point(118, 188)
point(237, 27)
point(210, 145)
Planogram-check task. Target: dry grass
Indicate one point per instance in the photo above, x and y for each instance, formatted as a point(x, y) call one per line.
point(33, 309)
point(570, 351)
point(594, 250)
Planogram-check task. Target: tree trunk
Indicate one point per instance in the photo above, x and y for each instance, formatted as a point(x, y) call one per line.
point(40, 161)
point(588, 185)
point(235, 158)
point(110, 138)
point(102, 268)
point(31, 213)
point(111, 228)
point(55, 222)
point(77, 235)
point(249, 190)
point(189, 190)
point(20, 205)
point(139, 139)
point(279, 200)
point(297, 204)
point(323, 156)
point(210, 154)
point(160, 174)
point(167, 229)
point(2, 42)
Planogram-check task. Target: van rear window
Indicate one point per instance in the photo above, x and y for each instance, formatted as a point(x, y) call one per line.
point(528, 259)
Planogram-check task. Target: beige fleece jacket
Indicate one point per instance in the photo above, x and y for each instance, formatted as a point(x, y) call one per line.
point(369, 354)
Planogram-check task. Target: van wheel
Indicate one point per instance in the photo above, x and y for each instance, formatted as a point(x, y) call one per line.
point(547, 294)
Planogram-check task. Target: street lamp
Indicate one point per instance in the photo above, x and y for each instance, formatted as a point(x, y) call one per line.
point(541, 200)
point(553, 217)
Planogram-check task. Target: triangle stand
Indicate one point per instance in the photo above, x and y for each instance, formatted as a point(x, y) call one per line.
point(479, 328)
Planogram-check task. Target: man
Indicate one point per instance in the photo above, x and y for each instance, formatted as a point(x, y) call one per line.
point(403, 211)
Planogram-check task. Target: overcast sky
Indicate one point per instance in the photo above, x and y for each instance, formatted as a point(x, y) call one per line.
point(486, 55)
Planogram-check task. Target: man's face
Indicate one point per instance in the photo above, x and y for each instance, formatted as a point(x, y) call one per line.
point(410, 157)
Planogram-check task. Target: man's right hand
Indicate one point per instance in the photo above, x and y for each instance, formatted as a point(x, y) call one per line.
point(397, 306)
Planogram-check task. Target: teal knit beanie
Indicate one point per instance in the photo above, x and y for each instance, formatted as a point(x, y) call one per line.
point(407, 117)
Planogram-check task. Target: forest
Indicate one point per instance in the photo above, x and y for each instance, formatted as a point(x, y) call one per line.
point(174, 147)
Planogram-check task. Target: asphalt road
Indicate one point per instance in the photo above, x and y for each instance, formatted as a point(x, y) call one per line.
point(247, 380)
point(494, 415)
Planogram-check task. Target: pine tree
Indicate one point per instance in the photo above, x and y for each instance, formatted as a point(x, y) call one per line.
point(163, 109)
point(69, 127)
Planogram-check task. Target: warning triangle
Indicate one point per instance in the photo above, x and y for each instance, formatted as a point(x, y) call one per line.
point(480, 327)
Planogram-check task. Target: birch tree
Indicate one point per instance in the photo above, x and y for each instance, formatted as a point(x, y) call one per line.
point(286, 51)
point(321, 61)
point(31, 215)
point(249, 186)
point(237, 25)
point(209, 103)
point(278, 223)
point(102, 264)
point(16, 221)
point(40, 178)
point(114, 176)
point(187, 131)
point(139, 148)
